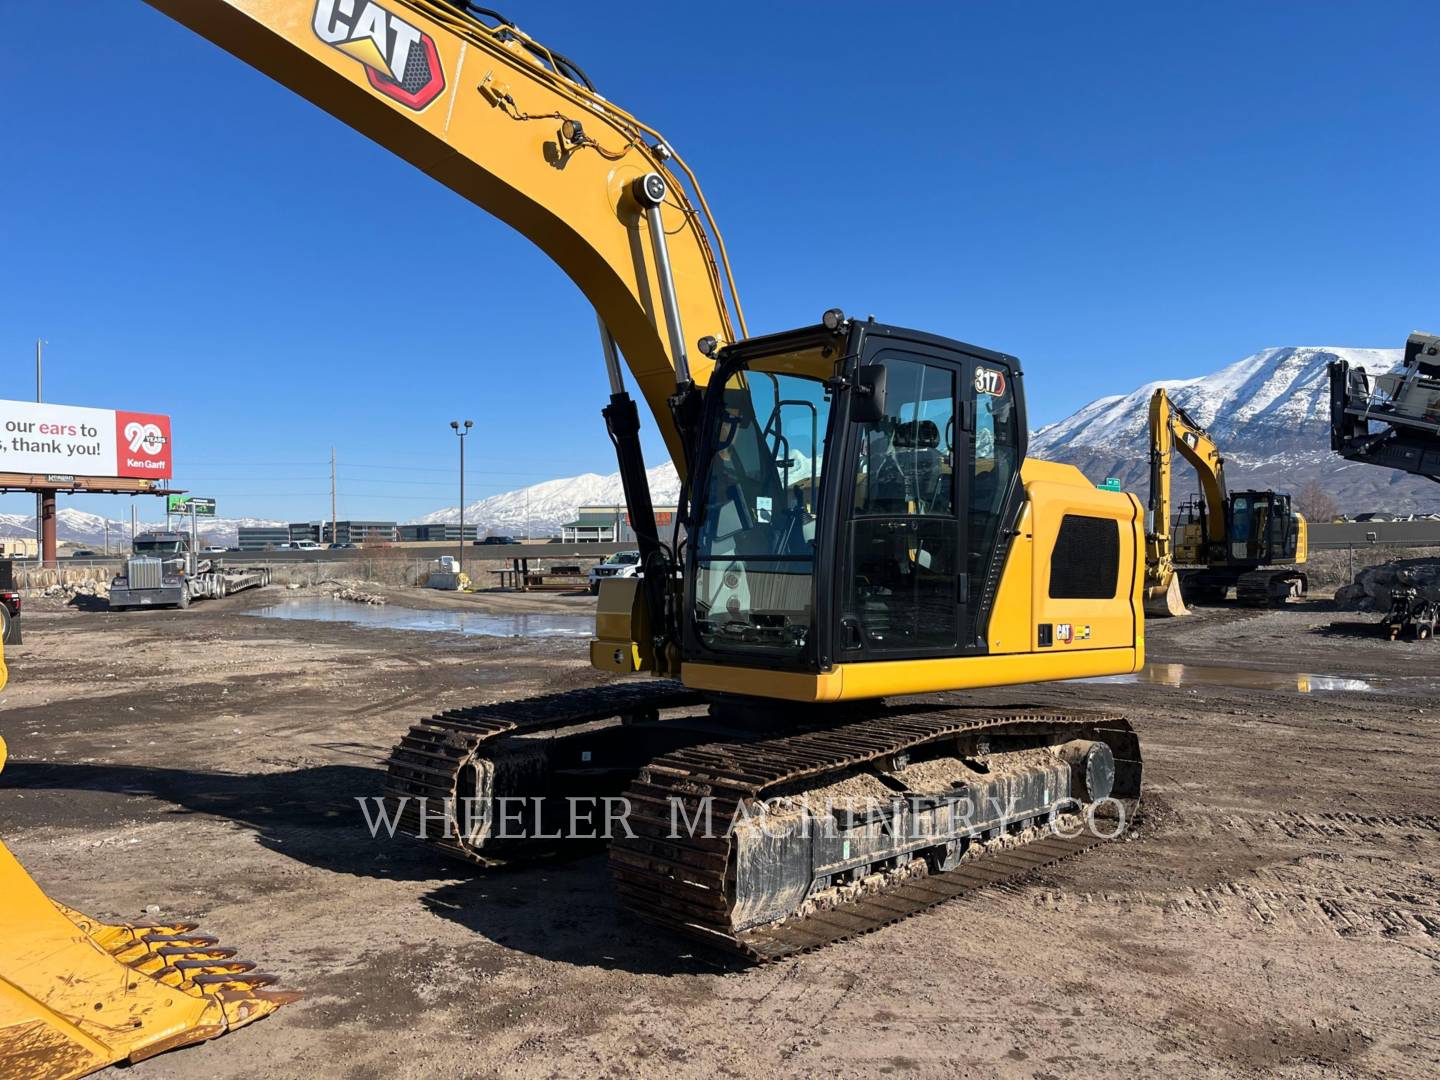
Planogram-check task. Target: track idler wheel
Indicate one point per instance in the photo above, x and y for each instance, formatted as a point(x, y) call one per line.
point(1092, 768)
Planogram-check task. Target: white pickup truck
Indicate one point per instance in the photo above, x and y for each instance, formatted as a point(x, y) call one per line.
point(623, 564)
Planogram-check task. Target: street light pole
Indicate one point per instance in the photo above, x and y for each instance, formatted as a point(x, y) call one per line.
point(462, 432)
point(39, 498)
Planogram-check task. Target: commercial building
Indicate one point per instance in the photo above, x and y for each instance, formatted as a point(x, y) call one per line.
point(609, 525)
point(260, 537)
point(434, 531)
point(305, 530)
point(345, 532)
point(360, 532)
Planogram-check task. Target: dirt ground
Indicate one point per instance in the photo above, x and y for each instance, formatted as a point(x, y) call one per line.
point(1278, 913)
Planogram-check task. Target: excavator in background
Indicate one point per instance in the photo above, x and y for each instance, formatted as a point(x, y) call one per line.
point(860, 532)
point(1250, 541)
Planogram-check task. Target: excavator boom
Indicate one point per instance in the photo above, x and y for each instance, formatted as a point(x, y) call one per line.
point(515, 128)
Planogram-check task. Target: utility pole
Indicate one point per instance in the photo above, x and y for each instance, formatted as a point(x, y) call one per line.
point(462, 432)
point(334, 535)
point(39, 498)
point(134, 519)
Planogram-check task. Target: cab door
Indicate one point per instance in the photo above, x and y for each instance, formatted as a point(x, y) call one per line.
point(904, 586)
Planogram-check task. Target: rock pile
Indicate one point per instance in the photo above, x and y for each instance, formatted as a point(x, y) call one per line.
point(68, 590)
point(1371, 589)
point(351, 590)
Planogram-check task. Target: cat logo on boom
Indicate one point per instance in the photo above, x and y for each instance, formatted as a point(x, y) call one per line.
point(400, 60)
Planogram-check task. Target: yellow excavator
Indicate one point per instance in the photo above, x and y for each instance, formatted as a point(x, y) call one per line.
point(1250, 541)
point(860, 535)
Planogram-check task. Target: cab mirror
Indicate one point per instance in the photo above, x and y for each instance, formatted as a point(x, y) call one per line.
point(868, 406)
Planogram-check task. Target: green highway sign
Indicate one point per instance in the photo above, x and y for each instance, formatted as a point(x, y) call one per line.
point(185, 504)
point(1111, 484)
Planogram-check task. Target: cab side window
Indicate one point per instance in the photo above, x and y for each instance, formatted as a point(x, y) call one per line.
point(905, 534)
point(994, 460)
point(906, 460)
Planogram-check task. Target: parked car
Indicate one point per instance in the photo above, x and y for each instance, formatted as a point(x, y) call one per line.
point(495, 540)
point(623, 564)
point(214, 549)
point(340, 547)
point(306, 545)
point(84, 553)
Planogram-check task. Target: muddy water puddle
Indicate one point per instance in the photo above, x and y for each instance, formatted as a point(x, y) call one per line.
point(1247, 678)
point(390, 617)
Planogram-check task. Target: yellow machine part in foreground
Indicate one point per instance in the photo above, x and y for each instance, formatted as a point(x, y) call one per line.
point(77, 994)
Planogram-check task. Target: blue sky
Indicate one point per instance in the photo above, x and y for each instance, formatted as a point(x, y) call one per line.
point(1113, 192)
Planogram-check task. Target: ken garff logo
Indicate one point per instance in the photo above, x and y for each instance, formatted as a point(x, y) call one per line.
point(400, 60)
point(148, 436)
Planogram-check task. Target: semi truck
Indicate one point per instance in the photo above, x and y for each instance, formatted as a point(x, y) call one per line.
point(164, 570)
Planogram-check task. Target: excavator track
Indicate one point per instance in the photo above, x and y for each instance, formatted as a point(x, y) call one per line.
point(436, 759)
point(1269, 588)
point(692, 883)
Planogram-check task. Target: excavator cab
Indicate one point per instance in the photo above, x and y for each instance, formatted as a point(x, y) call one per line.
point(1262, 529)
point(854, 492)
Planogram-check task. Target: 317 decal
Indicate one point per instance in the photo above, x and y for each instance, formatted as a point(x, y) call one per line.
point(989, 381)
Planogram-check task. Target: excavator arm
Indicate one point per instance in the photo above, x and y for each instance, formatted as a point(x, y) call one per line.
point(1171, 429)
point(516, 129)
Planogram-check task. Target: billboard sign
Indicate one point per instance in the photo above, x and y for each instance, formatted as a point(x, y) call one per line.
point(186, 504)
point(67, 440)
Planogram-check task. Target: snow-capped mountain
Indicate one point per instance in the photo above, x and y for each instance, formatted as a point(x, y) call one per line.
point(78, 527)
point(548, 505)
point(1270, 415)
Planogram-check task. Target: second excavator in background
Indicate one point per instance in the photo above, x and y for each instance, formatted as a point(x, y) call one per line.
point(1251, 541)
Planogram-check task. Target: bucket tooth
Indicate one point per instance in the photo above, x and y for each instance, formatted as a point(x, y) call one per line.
point(78, 994)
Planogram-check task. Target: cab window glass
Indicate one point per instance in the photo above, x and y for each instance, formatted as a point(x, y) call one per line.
point(906, 463)
point(905, 536)
point(994, 460)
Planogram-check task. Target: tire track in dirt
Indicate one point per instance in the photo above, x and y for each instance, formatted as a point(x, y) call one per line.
point(1272, 901)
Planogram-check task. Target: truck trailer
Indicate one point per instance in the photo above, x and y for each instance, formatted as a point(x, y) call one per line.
point(164, 570)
